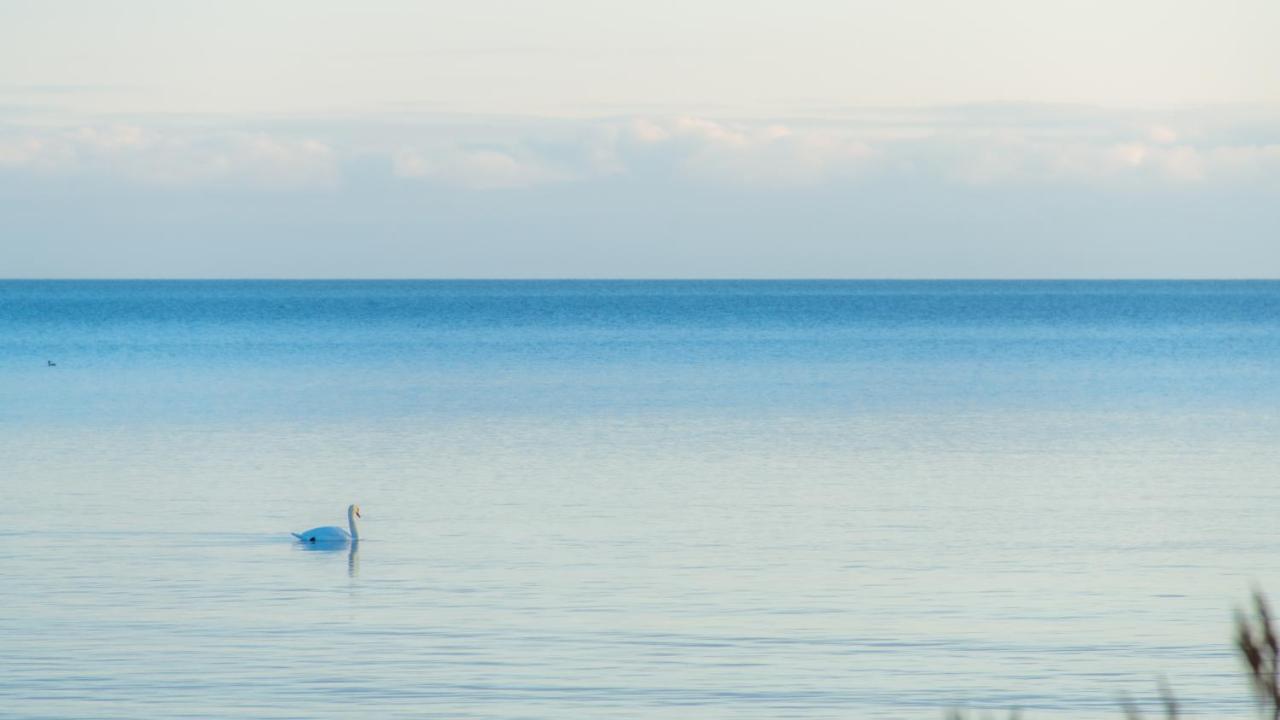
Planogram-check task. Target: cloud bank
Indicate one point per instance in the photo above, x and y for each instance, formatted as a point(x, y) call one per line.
point(973, 191)
point(1106, 150)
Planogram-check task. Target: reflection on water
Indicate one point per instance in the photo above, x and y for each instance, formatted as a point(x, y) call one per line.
point(352, 550)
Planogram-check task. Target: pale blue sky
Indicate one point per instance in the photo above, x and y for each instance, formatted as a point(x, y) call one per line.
point(566, 138)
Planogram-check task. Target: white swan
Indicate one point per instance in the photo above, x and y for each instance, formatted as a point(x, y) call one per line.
point(331, 534)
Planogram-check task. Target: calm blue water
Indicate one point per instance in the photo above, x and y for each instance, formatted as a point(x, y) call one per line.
point(633, 499)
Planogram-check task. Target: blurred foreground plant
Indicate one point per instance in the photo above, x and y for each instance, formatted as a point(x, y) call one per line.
point(1256, 641)
point(1167, 701)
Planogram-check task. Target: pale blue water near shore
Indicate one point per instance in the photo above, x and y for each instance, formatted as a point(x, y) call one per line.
point(633, 499)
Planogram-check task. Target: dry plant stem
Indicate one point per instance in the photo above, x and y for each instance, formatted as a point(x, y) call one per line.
point(1256, 640)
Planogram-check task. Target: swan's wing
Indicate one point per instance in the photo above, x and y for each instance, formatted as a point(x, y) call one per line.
point(330, 533)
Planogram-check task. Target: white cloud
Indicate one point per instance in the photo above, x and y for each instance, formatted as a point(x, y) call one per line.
point(982, 146)
point(168, 157)
point(1146, 163)
point(35, 153)
point(1162, 134)
point(768, 154)
point(473, 169)
point(1096, 156)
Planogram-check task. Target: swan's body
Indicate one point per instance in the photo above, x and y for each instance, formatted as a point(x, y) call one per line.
point(327, 534)
point(332, 534)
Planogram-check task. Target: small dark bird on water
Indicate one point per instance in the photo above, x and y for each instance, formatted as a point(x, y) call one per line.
point(51, 363)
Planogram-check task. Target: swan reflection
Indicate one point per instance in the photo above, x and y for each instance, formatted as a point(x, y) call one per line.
point(353, 553)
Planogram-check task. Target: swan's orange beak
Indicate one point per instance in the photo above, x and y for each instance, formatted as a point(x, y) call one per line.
point(358, 513)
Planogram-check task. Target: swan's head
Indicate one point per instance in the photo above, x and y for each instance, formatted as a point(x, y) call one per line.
point(353, 511)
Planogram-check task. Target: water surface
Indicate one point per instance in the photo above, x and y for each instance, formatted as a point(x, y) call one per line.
point(632, 499)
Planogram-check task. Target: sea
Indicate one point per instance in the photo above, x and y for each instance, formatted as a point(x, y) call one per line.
point(667, 500)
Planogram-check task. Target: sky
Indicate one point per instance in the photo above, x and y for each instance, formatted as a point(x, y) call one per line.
point(703, 138)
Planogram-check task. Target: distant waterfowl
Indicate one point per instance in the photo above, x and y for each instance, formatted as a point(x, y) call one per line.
point(332, 534)
point(51, 363)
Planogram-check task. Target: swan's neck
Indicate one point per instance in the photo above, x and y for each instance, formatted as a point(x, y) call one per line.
point(355, 530)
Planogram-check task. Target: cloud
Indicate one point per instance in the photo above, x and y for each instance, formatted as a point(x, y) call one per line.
point(1138, 163)
point(765, 154)
point(481, 169)
point(35, 154)
point(967, 146)
point(168, 157)
point(1163, 135)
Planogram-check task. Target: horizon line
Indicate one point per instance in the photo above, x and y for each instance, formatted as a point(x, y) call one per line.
point(639, 279)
